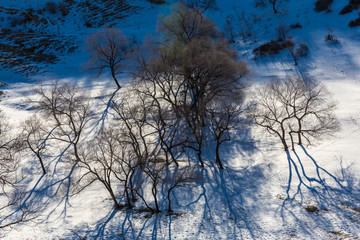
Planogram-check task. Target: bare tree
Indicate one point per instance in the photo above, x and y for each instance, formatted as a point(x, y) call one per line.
point(229, 28)
point(246, 24)
point(188, 71)
point(268, 112)
point(8, 163)
point(296, 106)
point(12, 209)
point(275, 4)
point(133, 115)
point(35, 136)
point(180, 178)
point(108, 159)
point(185, 24)
point(69, 110)
point(312, 108)
point(226, 119)
point(200, 6)
point(108, 49)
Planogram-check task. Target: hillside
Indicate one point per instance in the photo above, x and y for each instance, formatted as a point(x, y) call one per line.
point(263, 192)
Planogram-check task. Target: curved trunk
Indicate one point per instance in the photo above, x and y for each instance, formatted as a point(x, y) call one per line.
point(218, 155)
point(114, 77)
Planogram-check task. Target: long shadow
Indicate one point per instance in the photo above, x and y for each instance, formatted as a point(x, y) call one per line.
point(315, 199)
point(105, 112)
point(319, 168)
point(49, 189)
point(101, 225)
point(36, 200)
point(225, 209)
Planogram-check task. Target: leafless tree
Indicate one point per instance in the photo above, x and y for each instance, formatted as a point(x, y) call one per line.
point(12, 209)
point(296, 106)
point(268, 112)
point(312, 108)
point(185, 24)
point(246, 24)
point(68, 110)
point(211, 74)
point(8, 163)
point(226, 119)
point(229, 28)
point(179, 178)
point(109, 160)
point(200, 6)
point(133, 115)
point(275, 4)
point(188, 76)
point(35, 135)
point(108, 49)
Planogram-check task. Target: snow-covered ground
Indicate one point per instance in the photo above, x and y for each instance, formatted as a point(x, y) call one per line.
point(246, 199)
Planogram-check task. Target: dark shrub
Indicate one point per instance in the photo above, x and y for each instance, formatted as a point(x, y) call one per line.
point(312, 209)
point(51, 7)
point(322, 5)
point(15, 21)
point(330, 38)
point(294, 26)
point(271, 48)
point(63, 8)
point(346, 9)
point(355, 2)
point(354, 23)
point(260, 3)
point(353, 5)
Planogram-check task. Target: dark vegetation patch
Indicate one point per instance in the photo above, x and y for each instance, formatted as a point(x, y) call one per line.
point(341, 235)
point(311, 209)
point(295, 26)
point(273, 47)
point(26, 17)
point(159, 2)
point(355, 22)
point(331, 39)
point(323, 5)
point(352, 5)
point(100, 12)
point(60, 7)
point(23, 52)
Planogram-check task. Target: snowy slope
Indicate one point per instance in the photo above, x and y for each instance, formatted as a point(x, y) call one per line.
point(246, 200)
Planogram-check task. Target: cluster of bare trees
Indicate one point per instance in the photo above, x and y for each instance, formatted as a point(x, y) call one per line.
point(187, 92)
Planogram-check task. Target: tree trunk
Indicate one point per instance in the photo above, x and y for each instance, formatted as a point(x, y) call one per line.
point(154, 192)
point(200, 158)
point(218, 155)
point(128, 195)
point(284, 144)
point(169, 200)
point(114, 77)
point(299, 133)
point(273, 6)
point(292, 141)
point(117, 205)
point(133, 198)
point(41, 163)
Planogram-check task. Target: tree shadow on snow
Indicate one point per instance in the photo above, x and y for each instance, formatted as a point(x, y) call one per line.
point(317, 197)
